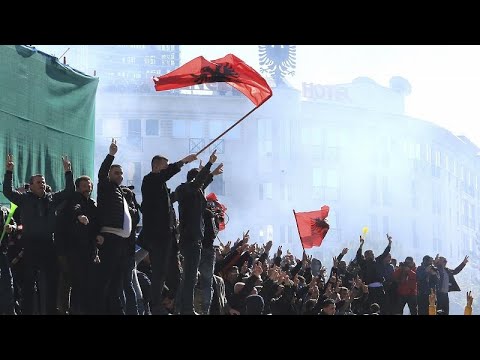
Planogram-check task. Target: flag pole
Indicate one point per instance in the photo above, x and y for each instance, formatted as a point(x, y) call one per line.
point(230, 128)
point(296, 222)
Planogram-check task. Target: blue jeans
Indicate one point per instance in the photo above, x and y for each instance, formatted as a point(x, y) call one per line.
point(6, 287)
point(129, 297)
point(207, 265)
point(191, 250)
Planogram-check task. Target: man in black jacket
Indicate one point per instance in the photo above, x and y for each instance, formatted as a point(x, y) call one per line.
point(115, 217)
point(38, 220)
point(207, 259)
point(84, 231)
point(191, 208)
point(372, 272)
point(159, 224)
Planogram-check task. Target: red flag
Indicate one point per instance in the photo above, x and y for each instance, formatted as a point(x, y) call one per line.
point(220, 209)
point(312, 226)
point(229, 69)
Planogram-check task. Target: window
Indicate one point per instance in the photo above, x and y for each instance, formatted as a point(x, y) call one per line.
point(196, 129)
point(215, 128)
point(437, 159)
point(266, 191)
point(417, 151)
point(269, 232)
point(151, 127)
point(150, 60)
point(234, 134)
point(317, 177)
point(428, 153)
point(264, 129)
point(447, 165)
point(135, 133)
point(332, 179)
point(179, 129)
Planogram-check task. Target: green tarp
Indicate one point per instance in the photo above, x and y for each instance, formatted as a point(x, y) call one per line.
point(47, 110)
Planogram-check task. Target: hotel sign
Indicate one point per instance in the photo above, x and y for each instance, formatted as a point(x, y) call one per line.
point(336, 93)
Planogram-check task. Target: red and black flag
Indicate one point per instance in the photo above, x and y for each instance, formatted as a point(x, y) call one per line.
point(312, 226)
point(229, 69)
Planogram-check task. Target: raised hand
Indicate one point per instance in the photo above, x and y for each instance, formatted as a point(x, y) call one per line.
point(246, 237)
point(218, 170)
point(268, 246)
point(465, 261)
point(213, 157)
point(9, 163)
point(335, 262)
point(257, 269)
point(344, 251)
point(279, 251)
point(389, 238)
point(469, 298)
point(244, 268)
point(67, 165)
point(83, 219)
point(226, 248)
point(362, 240)
point(113, 147)
point(189, 158)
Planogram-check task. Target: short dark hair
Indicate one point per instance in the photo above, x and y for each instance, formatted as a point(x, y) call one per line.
point(192, 174)
point(80, 179)
point(158, 158)
point(34, 176)
point(115, 166)
point(327, 302)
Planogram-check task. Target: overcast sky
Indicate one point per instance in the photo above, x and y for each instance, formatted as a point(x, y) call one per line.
point(444, 78)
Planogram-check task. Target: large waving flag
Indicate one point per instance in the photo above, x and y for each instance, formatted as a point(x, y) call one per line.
point(312, 226)
point(229, 69)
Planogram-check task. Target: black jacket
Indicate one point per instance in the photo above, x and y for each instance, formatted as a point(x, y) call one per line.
point(372, 271)
point(83, 237)
point(109, 197)
point(191, 206)
point(158, 220)
point(38, 214)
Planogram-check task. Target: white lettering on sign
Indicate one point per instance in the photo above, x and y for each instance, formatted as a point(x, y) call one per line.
point(326, 92)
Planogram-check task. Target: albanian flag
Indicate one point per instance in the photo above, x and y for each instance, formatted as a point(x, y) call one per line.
point(312, 226)
point(229, 69)
point(219, 209)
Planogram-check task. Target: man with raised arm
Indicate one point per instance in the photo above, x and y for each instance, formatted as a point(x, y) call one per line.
point(38, 218)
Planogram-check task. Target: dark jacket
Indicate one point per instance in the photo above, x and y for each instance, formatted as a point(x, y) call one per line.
point(452, 283)
point(158, 220)
point(38, 214)
point(426, 281)
point(83, 237)
point(372, 271)
point(109, 197)
point(191, 206)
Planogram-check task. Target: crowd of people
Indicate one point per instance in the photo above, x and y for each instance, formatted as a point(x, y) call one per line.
point(64, 253)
